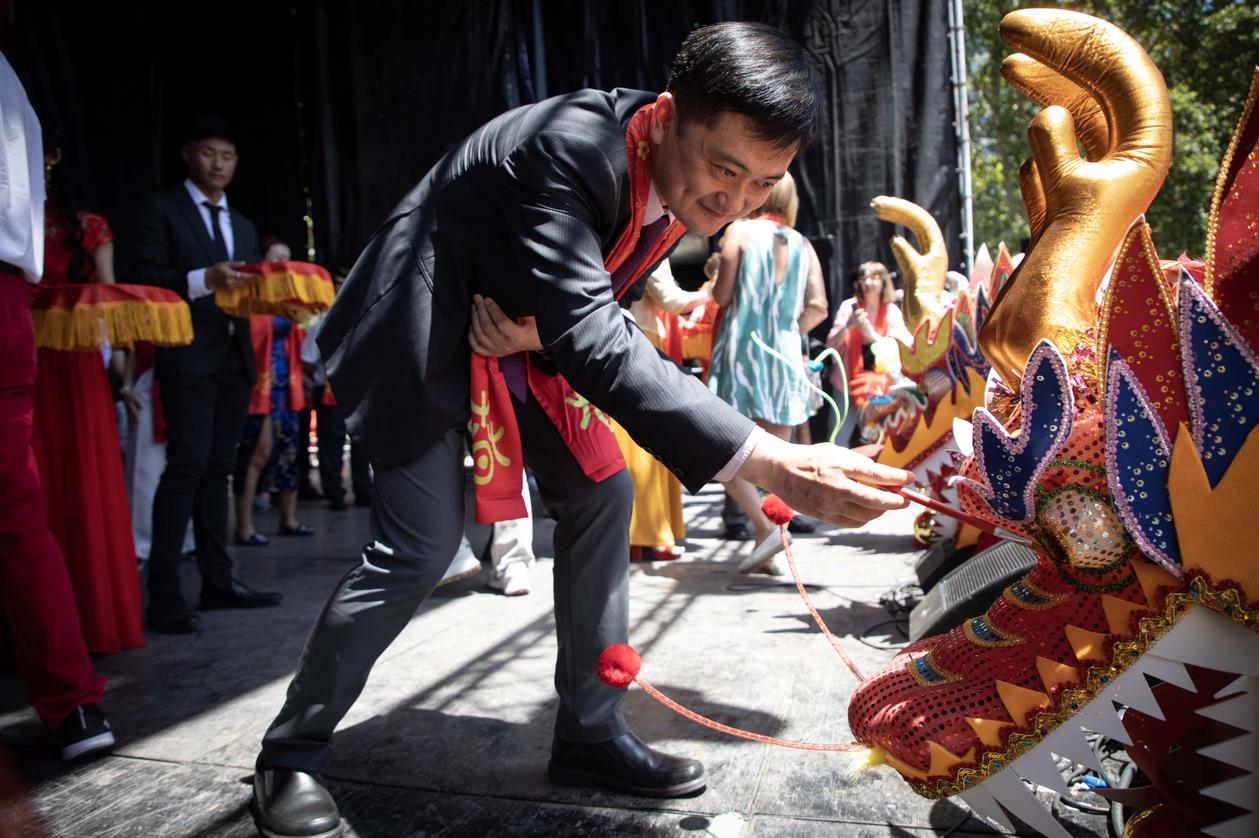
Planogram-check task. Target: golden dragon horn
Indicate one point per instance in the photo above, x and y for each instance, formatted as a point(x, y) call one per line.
point(924, 270)
point(1089, 205)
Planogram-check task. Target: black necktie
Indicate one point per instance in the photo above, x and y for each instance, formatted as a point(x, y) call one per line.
point(216, 232)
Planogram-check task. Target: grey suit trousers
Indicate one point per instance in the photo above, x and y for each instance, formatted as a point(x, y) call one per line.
point(416, 524)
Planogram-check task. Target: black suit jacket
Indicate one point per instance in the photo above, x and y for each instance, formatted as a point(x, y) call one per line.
point(174, 241)
point(522, 211)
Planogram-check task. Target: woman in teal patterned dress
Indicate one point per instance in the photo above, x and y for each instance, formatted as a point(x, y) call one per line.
point(769, 285)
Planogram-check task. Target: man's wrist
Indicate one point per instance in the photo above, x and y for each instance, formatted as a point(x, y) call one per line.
point(736, 463)
point(761, 463)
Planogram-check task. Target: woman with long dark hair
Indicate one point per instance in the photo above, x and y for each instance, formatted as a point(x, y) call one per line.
point(75, 435)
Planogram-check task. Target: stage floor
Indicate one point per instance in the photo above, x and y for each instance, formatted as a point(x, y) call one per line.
point(452, 734)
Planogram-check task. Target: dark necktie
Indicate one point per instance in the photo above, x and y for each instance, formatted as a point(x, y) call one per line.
point(648, 238)
point(216, 232)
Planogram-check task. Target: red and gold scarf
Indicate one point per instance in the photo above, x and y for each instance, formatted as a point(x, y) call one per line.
point(498, 467)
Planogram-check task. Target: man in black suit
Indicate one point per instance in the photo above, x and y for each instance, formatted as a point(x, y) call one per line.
point(192, 242)
point(525, 212)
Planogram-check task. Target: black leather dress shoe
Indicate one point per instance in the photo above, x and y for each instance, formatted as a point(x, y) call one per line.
point(237, 595)
point(172, 622)
point(625, 764)
point(293, 804)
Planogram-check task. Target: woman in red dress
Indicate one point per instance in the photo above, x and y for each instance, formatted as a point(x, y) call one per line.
point(76, 438)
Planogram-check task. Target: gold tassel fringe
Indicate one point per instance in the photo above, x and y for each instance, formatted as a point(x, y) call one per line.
point(121, 323)
point(287, 294)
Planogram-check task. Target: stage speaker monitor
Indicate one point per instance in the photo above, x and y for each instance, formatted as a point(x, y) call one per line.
point(968, 590)
point(936, 561)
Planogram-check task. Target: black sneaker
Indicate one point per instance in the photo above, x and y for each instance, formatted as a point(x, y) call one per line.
point(85, 731)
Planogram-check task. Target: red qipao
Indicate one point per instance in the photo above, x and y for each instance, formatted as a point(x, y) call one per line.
point(498, 464)
point(76, 444)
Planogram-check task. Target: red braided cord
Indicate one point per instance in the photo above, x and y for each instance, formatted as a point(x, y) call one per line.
point(742, 734)
point(817, 618)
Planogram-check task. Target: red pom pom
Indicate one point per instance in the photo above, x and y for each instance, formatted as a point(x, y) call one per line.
point(618, 665)
point(777, 511)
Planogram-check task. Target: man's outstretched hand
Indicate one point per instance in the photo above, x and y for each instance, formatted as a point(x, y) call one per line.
point(825, 481)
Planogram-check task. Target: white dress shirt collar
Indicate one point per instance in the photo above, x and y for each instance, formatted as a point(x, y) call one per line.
point(198, 197)
point(199, 200)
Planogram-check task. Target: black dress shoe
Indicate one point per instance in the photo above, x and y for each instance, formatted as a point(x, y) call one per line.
point(625, 764)
point(737, 532)
point(172, 622)
point(293, 804)
point(237, 595)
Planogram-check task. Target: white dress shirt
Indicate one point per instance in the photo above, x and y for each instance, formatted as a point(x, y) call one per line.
point(21, 178)
point(196, 279)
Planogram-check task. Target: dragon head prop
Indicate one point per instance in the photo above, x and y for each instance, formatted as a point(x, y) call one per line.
point(1123, 449)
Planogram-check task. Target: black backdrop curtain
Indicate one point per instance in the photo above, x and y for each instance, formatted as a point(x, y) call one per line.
point(889, 114)
point(340, 108)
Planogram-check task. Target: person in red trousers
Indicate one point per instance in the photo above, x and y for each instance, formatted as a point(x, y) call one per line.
point(41, 619)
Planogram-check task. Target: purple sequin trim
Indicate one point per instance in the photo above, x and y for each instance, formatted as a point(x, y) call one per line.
point(987, 425)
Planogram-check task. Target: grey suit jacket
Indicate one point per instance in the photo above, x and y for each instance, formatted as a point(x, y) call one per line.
point(522, 211)
point(174, 241)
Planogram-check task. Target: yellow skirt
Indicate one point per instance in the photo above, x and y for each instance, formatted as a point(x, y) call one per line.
point(657, 519)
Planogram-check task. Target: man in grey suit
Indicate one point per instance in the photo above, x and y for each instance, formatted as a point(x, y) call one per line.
point(516, 222)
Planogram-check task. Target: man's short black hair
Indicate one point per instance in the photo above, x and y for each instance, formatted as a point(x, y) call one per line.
point(751, 69)
point(206, 127)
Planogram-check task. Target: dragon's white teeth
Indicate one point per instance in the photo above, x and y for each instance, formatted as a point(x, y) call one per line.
point(1008, 790)
point(1242, 826)
point(1241, 751)
point(1171, 671)
point(1099, 716)
point(1240, 711)
point(1132, 689)
point(1241, 791)
point(1068, 741)
point(1244, 683)
point(983, 804)
point(1205, 638)
point(1038, 766)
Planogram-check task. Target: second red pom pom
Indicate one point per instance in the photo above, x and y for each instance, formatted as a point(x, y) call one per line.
point(618, 665)
point(777, 511)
